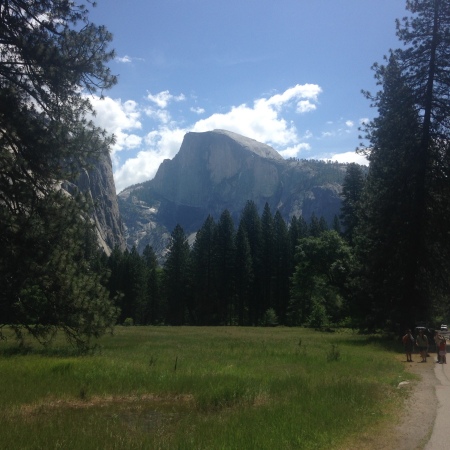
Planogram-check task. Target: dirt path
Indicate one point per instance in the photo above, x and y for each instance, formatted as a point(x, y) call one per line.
point(414, 427)
point(440, 437)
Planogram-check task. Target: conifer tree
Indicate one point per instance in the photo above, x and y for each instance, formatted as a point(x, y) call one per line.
point(351, 196)
point(408, 177)
point(225, 263)
point(281, 267)
point(51, 57)
point(176, 279)
point(244, 277)
point(250, 223)
point(267, 258)
point(204, 274)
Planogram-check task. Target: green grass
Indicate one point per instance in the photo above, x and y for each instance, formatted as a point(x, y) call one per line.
point(198, 388)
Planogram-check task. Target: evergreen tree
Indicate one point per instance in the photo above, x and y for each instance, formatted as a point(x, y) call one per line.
point(154, 310)
point(226, 260)
point(51, 281)
point(267, 259)
point(281, 267)
point(50, 56)
point(176, 279)
point(244, 277)
point(425, 63)
point(251, 224)
point(389, 234)
point(204, 274)
point(351, 196)
point(134, 302)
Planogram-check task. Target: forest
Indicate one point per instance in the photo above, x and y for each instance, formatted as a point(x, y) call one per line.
point(383, 264)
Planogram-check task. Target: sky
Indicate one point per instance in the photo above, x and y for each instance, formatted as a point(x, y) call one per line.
point(288, 73)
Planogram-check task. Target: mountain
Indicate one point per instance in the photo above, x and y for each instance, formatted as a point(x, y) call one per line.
point(98, 183)
point(218, 170)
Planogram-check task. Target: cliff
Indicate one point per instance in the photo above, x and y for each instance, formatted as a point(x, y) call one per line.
point(219, 170)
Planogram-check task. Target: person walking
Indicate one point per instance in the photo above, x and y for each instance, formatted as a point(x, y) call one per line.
point(422, 344)
point(408, 343)
point(437, 341)
point(442, 351)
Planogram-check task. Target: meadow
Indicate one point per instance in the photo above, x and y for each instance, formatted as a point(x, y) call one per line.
point(199, 388)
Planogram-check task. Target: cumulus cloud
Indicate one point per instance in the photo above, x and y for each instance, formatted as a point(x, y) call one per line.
point(294, 151)
point(162, 99)
point(349, 157)
point(197, 110)
point(264, 121)
point(118, 118)
point(159, 145)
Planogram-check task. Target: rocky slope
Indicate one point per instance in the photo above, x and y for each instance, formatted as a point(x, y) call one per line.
point(219, 170)
point(98, 183)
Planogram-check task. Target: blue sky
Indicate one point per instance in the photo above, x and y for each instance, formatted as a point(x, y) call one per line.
point(288, 73)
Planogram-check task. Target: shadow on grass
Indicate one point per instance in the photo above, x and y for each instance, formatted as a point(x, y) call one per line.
point(56, 352)
point(386, 342)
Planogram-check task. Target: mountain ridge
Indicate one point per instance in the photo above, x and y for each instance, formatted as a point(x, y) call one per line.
point(218, 170)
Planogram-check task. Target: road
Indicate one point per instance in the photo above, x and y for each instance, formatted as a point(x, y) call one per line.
point(439, 436)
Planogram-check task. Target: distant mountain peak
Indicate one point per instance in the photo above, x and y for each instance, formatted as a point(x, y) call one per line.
point(263, 150)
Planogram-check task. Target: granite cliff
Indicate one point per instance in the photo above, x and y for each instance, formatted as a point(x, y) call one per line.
point(219, 170)
point(98, 183)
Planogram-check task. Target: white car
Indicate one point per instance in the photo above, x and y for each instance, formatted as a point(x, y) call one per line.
point(444, 328)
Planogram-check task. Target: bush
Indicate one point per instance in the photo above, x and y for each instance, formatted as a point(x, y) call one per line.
point(270, 318)
point(128, 322)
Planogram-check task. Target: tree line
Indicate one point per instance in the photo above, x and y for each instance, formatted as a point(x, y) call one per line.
point(229, 276)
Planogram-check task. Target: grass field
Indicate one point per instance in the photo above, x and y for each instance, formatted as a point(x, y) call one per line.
point(199, 388)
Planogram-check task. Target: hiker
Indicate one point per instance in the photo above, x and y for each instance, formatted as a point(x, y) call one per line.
point(437, 341)
point(408, 343)
point(422, 344)
point(442, 351)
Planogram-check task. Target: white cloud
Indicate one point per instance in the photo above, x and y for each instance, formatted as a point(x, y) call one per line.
point(304, 106)
point(295, 151)
point(263, 121)
point(117, 117)
point(123, 59)
point(349, 157)
point(159, 145)
point(126, 59)
point(160, 115)
point(162, 99)
point(197, 110)
point(364, 121)
point(349, 123)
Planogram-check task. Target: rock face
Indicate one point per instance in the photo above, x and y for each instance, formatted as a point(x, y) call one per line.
point(98, 183)
point(219, 170)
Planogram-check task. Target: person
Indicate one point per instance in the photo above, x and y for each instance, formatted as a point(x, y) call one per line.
point(422, 344)
point(442, 351)
point(408, 343)
point(437, 341)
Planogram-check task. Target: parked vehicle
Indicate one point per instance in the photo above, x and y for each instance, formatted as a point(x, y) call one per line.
point(444, 327)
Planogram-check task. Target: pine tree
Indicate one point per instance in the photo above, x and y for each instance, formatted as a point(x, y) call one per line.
point(176, 279)
point(244, 277)
point(251, 224)
point(425, 63)
point(154, 310)
point(204, 274)
point(225, 263)
point(281, 267)
point(409, 264)
point(389, 234)
point(50, 57)
point(351, 196)
point(267, 259)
